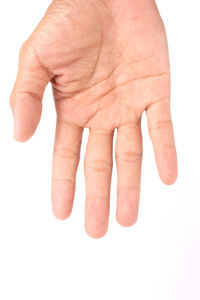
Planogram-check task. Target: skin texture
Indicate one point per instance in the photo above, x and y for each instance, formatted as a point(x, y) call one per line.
point(108, 63)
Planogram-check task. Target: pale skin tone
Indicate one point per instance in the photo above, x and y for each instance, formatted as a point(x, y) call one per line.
point(107, 61)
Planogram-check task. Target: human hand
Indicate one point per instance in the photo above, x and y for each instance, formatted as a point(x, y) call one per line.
point(107, 62)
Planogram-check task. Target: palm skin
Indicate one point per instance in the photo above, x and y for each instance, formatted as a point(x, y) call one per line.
point(107, 62)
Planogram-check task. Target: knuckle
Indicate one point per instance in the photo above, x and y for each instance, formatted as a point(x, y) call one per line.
point(128, 157)
point(129, 187)
point(66, 153)
point(28, 93)
point(57, 180)
point(98, 165)
point(97, 199)
point(23, 48)
point(160, 124)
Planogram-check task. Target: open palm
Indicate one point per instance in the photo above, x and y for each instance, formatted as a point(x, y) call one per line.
point(107, 62)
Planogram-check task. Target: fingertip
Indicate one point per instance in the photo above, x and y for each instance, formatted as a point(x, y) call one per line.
point(96, 217)
point(95, 232)
point(126, 222)
point(20, 137)
point(167, 165)
point(169, 178)
point(127, 205)
point(95, 227)
point(62, 200)
point(26, 115)
point(61, 215)
point(60, 210)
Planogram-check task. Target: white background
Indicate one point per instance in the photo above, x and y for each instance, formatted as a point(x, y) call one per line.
point(42, 258)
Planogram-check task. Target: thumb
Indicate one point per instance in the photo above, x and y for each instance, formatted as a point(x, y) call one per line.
point(27, 94)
